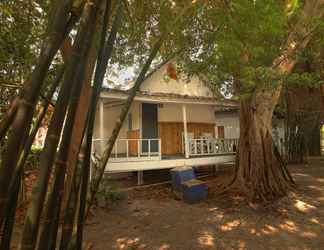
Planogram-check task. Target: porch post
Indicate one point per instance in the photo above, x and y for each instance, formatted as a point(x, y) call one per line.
point(101, 125)
point(185, 130)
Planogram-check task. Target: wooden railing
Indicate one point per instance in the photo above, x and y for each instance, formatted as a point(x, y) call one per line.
point(212, 146)
point(133, 149)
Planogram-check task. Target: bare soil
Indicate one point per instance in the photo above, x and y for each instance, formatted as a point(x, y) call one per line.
point(152, 218)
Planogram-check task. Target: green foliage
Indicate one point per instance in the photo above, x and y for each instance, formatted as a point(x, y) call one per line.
point(109, 192)
point(229, 43)
point(22, 26)
point(33, 158)
point(303, 79)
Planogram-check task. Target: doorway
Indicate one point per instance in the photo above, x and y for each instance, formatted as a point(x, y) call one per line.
point(149, 127)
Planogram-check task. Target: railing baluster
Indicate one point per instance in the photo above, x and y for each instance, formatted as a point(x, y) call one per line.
point(149, 147)
point(160, 149)
point(139, 142)
point(127, 148)
point(195, 144)
point(208, 149)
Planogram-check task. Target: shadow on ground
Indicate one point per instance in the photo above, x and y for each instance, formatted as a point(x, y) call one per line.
point(152, 219)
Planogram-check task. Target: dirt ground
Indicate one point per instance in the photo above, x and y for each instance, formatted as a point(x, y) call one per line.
point(152, 219)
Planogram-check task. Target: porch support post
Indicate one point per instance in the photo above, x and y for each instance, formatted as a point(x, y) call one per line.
point(185, 130)
point(101, 125)
point(140, 179)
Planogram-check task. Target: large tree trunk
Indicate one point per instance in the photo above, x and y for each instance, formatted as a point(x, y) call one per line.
point(261, 172)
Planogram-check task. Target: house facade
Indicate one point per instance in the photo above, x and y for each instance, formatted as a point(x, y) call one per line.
point(170, 123)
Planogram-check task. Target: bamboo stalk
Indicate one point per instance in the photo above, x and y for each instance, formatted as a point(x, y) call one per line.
point(15, 185)
point(104, 55)
point(10, 218)
point(72, 206)
point(23, 116)
point(69, 215)
point(82, 45)
point(45, 104)
point(31, 226)
point(8, 118)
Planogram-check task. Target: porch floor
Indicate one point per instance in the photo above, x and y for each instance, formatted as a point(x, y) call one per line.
point(168, 161)
point(181, 156)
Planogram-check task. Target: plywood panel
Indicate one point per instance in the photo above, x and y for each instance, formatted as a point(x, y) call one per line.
point(133, 145)
point(171, 134)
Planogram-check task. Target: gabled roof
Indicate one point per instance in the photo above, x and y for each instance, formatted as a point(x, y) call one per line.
point(157, 86)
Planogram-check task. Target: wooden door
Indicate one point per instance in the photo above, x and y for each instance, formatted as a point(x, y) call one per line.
point(170, 134)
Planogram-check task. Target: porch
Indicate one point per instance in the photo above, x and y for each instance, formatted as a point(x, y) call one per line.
point(162, 134)
point(150, 150)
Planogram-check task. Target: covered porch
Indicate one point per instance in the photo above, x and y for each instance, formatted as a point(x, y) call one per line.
point(164, 133)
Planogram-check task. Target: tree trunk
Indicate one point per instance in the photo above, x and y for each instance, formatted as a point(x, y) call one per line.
point(261, 171)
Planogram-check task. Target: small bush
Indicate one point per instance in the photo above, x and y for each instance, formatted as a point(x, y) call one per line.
point(109, 193)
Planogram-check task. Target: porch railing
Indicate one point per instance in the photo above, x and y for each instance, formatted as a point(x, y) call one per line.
point(211, 146)
point(132, 149)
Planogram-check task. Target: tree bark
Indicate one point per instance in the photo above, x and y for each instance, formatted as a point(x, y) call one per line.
point(261, 171)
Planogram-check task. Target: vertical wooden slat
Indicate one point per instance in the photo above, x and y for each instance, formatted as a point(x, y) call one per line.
point(185, 130)
point(160, 149)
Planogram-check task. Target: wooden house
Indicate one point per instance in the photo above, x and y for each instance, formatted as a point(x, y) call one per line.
point(172, 122)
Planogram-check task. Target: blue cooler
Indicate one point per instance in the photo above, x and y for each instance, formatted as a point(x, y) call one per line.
point(180, 175)
point(194, 191)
